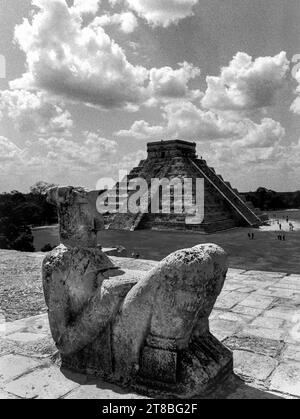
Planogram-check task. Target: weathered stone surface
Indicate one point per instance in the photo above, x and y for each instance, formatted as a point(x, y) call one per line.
point(230, 300)
point(257, 301)
point(98, 390)
point(44, 383)
point(148, 331)
point(268, 323)
point(234, 317)
point(264, 274)
point(222, 329)
point(260, 332)
point(14, 366)
point(26, 337)
point(135, 264)
point(284, 312)
point(258, 345)
point(6, 347)
point(6, 396)
point(41, 348)
point(37, 324)
point(251, 366)
point(292, 352)
point(81, 302)
point(287, 378)
point(248, 311)
point(174, 302)
point(79, 220)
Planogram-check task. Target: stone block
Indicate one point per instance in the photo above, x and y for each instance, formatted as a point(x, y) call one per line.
point(292, 352)
point(7, 396)
point(265, 333)
point(286, 378)
point(251, 366)
point(254, 344)
point(257, 301)
point(247, 311)
point(268, 323)
point(44, 383)
point(25, 337)
point(12, 366)
point(230, 300)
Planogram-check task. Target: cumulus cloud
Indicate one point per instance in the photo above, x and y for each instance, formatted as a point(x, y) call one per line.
point(264, 135)
point(295, 107)
point(167, 84)
point(126, 21)
point(86, 6)
point(76, 62)
point(162, 12)
point(61, 160)
point(228, 138)
point(35, 112)
point(246, 84)
point(8, 150)
point(185, 120)
point(89, 153)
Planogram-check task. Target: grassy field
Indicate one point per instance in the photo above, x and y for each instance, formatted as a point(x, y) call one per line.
point(265, 252)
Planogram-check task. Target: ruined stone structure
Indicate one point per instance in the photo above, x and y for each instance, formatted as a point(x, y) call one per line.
point(147, 331)
point(224, 208)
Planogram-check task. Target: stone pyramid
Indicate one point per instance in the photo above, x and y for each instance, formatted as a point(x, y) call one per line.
point(224, 208)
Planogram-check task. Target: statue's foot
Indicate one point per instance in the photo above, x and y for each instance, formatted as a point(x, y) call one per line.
point(187, 373)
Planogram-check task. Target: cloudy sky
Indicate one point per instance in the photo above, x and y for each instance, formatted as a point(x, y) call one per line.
point(89, 82)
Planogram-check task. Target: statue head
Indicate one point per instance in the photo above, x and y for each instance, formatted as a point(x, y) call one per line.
point(78, 217)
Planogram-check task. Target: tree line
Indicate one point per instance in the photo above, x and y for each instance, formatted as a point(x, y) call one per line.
point(20, 212)
point(268, 200)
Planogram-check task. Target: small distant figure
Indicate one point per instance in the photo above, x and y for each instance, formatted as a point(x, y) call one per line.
point(252, 236)
point(135, 255)
point(284, 237)
point(249, 236)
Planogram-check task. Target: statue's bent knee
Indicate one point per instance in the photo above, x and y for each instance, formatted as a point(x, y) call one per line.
point(149, 331)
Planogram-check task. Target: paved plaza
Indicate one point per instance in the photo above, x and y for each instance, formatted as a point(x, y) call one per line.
point(257, 316)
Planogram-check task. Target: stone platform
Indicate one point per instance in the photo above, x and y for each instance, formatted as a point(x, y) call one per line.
point(257, 316)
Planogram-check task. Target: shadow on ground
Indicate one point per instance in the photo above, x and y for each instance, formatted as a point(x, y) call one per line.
point(93, 388)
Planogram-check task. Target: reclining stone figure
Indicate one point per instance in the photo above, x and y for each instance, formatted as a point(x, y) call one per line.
point(148, 331)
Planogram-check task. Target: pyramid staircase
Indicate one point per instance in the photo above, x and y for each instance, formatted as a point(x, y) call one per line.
point(231, 195)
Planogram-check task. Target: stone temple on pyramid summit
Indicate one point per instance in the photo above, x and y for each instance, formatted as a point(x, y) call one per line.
point(224, 208)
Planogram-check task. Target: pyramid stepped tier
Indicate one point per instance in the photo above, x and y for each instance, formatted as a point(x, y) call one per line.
point(223, 208)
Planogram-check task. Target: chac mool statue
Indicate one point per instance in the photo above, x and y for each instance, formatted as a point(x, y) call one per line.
point(147, 331)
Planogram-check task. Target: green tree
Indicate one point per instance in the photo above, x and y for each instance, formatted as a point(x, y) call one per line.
point(41, 188)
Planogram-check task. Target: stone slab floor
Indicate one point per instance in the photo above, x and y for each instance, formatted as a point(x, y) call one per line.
point(257, 316)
